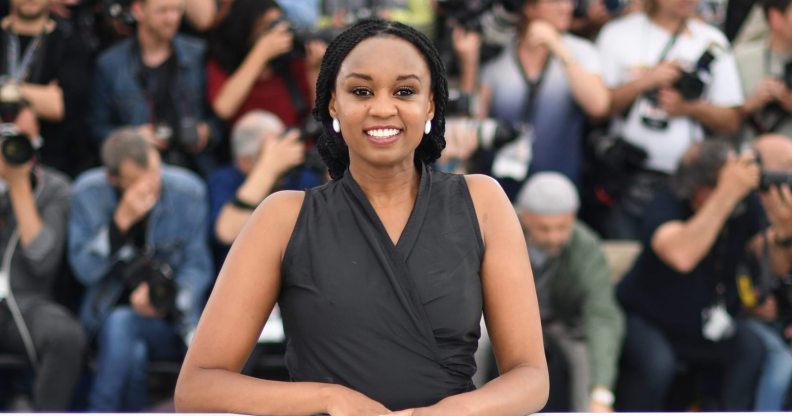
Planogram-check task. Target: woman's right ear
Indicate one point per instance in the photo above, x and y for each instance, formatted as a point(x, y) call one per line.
point(331, 105)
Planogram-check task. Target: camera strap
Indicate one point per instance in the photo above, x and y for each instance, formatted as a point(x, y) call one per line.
point(13, 306)
point(300, 106)
point(663, 55)
point(534, 86)
point(17, 70)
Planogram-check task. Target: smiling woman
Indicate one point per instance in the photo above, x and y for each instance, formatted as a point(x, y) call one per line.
point(383, 274)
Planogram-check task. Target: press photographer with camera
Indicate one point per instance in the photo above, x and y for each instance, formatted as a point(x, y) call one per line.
point(155, 80)
point(762, 293)
point(681, 295)
point(548, 81)
point(137, 242)
point(671, 77)
point(34, 206)
point(43, 64)
point(257, 61)
point(267, 158)
point(766, 74)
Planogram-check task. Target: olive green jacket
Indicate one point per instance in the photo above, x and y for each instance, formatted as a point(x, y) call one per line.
point(583, 296)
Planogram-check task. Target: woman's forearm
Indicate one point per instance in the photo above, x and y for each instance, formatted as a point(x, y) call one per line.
point(520, 391)
point(218, 390)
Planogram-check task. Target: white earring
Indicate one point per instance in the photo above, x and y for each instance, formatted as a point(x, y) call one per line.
point(336, 125)
point(428, 126)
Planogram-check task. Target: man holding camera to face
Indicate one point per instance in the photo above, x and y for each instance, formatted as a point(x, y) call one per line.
point(766, 74)
point(155, 80)
point(267, 158)
point(681, 296)
point(671, 77)
point(137, 241)
point(34, 205)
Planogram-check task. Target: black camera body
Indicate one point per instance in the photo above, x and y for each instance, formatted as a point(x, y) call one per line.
point(776, 178)
point(159, 276)
point(691, 83)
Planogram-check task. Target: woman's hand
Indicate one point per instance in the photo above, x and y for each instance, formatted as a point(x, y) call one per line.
point(343, 401)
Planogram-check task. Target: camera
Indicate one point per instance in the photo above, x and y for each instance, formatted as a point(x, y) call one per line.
point(477, 15)
point(615, 6)
point(300, 37)
point(185, 135)
point(776, 178)
point(691, 83)
point(491, 133)
point(159, 276)
point(15, 146)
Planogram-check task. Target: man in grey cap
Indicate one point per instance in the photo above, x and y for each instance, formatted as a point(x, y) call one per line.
point(580, 318)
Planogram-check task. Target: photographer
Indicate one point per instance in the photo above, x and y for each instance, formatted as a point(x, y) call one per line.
point(257, 62)
point(34, 205)
point(137, 241)
point(681, 295)
point(581, 321)
point(765, 297)
point(671, 77)
point(548, 80)
point(766, 73)
point(264, 153)
point(43, 65)
point(155, 80)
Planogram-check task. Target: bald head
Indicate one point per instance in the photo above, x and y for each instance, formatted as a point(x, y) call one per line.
point(248, 131)
point(775, 151)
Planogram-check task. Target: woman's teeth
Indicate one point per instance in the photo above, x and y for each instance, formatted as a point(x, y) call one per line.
point(381, 133)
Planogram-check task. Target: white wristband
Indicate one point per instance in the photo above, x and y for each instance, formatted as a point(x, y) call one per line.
point(602, 396)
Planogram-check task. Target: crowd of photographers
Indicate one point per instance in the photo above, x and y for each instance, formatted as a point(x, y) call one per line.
point(137, 137)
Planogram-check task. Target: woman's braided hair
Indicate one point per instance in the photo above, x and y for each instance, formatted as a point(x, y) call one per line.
point(330, 144)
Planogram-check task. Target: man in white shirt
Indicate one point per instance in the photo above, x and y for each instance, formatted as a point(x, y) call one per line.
point(644, 59)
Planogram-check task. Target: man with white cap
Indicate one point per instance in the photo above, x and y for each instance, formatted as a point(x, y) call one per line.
point(576, 297)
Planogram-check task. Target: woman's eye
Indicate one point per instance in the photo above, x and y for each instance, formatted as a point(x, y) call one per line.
point(361, 92)
point(405, 92)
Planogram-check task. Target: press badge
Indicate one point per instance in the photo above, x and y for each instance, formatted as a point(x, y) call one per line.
point(717, 324)
point(513, 159)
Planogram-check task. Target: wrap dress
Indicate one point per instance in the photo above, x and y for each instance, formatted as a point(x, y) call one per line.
point(398, 323)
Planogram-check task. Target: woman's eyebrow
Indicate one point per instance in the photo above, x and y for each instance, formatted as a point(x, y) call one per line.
point(368, 77)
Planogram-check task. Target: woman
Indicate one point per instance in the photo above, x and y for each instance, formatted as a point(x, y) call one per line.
point(253, 65)
point(381, 275)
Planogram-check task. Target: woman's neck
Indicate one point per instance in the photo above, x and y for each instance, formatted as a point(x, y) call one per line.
point(532, 58)
point(386, 186)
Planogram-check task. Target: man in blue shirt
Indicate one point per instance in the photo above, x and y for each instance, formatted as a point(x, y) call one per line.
point(137, 241)
point(265, 160)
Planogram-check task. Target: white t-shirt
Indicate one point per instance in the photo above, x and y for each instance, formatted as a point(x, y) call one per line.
point(633, 44)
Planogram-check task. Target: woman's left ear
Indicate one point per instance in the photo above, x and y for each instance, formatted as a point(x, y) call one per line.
point(431, 111)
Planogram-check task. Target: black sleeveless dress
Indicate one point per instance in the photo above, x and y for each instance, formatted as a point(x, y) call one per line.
point(398, 323)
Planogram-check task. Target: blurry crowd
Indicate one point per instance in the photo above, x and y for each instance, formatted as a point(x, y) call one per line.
point(138, 136)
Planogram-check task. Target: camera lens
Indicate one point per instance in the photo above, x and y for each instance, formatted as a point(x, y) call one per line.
point(16, 149)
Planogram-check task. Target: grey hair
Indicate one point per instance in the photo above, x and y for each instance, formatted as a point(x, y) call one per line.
point(247, 132)
point(122, 144)
point(700, 167)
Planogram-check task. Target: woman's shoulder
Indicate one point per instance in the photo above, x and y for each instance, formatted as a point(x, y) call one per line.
point(489, 199)
point(277, 215)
